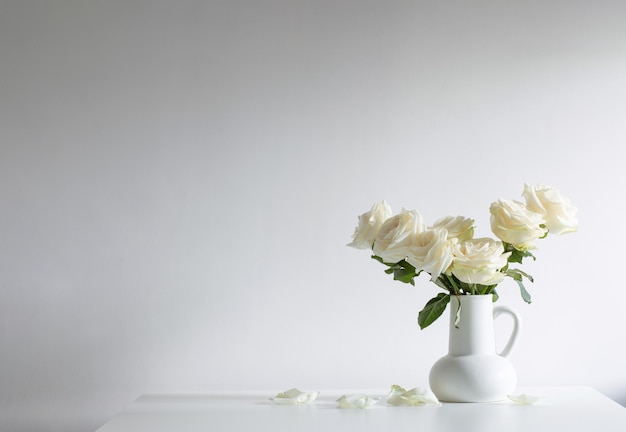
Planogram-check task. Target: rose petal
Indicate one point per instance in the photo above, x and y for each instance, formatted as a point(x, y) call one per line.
point(398, 396)
point(294, 397)
point(358, 400)
point(369, 225)
point(524, 399)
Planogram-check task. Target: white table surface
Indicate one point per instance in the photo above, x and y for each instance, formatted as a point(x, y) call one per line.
point(561, 409)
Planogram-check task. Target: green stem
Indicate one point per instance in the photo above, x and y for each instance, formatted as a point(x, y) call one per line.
point(454, 285)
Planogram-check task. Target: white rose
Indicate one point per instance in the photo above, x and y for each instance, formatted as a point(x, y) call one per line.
point(479, 261)
point(513, 223)
point(369, 225)
point(559, 213)
point(458, 227)
point(397, 235)
point(432, 252)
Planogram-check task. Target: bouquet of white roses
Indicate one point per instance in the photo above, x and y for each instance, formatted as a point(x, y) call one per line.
point(447, 250)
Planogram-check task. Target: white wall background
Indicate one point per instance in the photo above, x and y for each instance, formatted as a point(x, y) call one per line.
point(178, 180)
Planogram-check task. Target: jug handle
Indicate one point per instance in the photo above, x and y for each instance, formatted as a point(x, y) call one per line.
point(517, 325)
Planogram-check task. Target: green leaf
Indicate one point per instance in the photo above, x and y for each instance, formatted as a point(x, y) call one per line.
point(525, 294)
point(517, 275)
point(495, 296)
point(380, 260)
point(457, 317)
point(517, 255)
point(526, 275)
point(513, 273)
point(433, 310)
point(402, 271)
point(404, 275)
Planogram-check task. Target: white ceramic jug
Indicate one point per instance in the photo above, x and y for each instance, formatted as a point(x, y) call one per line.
point(473, 371)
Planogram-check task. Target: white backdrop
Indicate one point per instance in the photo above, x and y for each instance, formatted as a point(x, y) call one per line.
point(179, 179)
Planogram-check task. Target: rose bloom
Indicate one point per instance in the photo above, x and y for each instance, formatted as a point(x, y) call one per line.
point(369, 225)
point(458, 227)
point(431, 252)
point(396, 236)
point(513, 223)
point(479, 261)
point(559, 213)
